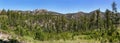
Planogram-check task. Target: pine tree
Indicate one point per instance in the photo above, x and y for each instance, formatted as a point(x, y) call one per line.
point(99, 20)
point(3, 12)
point(93, 19)
point(115, 17)
point(108, 19)
point(114, 9)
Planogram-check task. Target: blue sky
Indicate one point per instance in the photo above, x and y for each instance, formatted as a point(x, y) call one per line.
point(62, 6)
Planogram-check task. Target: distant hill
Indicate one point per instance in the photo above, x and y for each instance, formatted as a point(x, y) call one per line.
point(68, 15)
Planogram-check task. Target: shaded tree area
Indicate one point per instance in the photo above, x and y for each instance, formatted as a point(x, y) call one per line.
point(10, 41)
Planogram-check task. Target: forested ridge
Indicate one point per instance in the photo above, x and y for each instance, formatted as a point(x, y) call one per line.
point(45, 25)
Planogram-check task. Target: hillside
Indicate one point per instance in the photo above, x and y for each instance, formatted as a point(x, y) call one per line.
point(43, 25)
